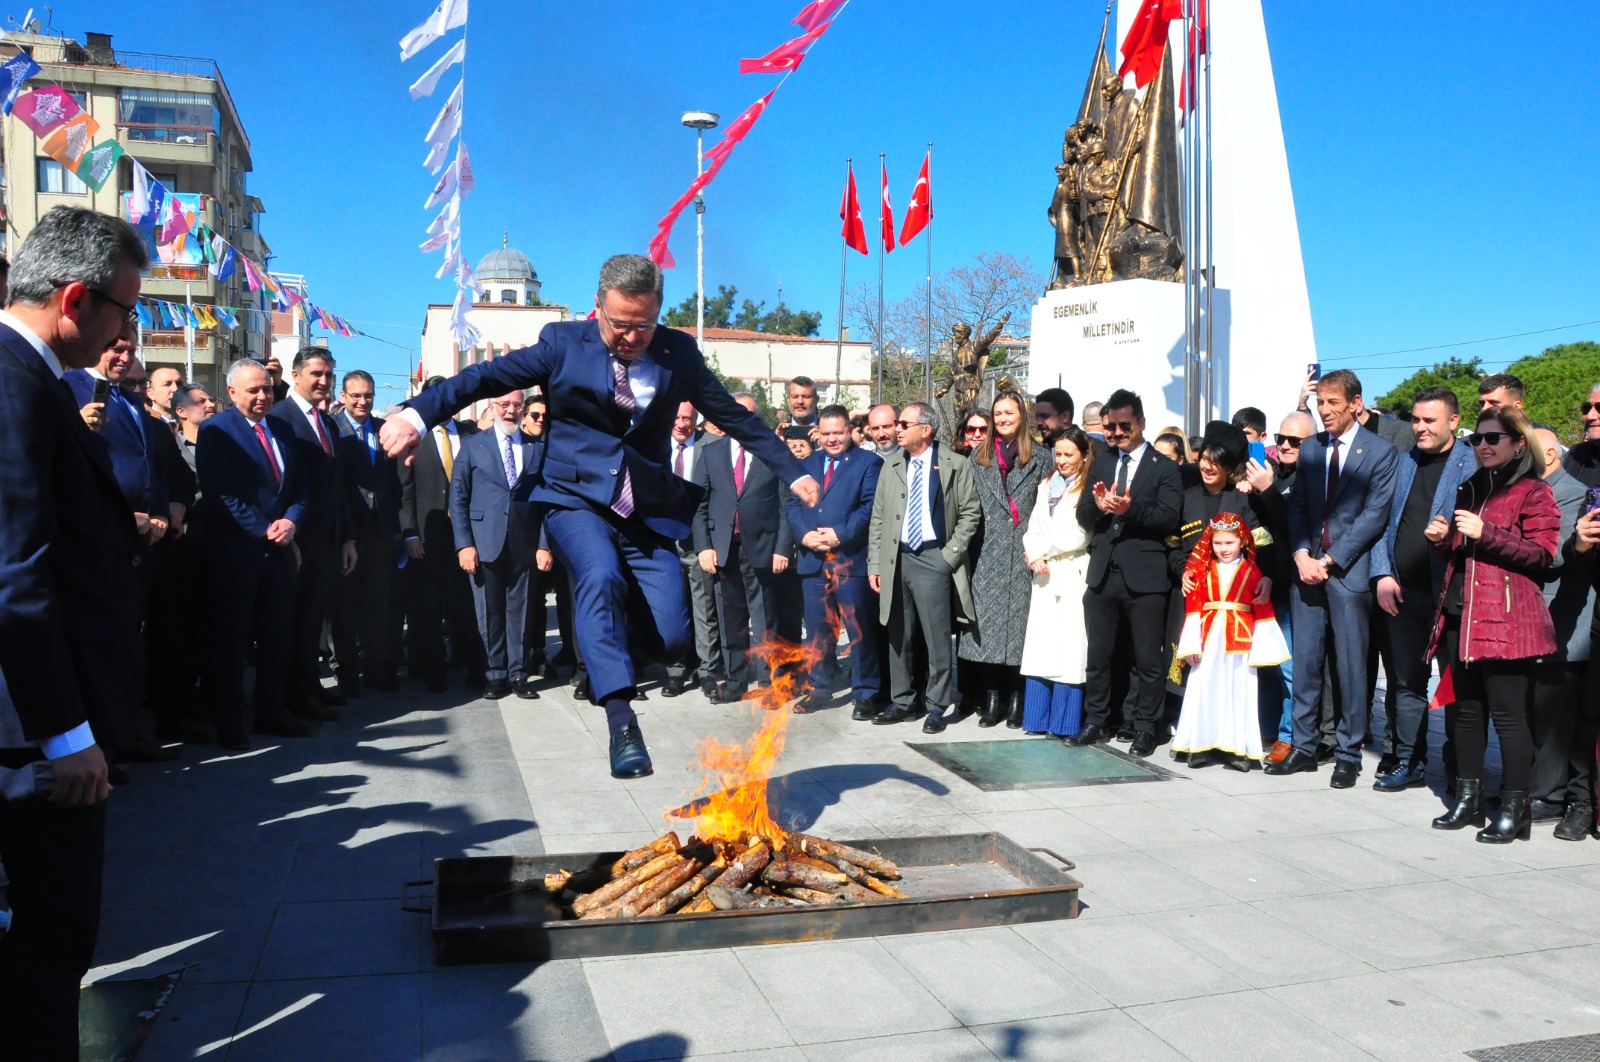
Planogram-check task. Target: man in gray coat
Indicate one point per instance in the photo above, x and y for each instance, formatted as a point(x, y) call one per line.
point(924, 516)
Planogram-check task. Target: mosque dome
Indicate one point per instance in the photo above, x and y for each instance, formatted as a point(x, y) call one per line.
point(506, 263)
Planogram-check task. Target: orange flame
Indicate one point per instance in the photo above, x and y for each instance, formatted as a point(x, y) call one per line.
point(730, 803)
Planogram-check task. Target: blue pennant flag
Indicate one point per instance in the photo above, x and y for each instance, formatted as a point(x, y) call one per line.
point(144, 314)
point(225, 266)
point(12, 76)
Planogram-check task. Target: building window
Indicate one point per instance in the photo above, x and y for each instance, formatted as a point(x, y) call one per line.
point(508, 297)
point(175, 117)
point(533, 298)
point(56, 179)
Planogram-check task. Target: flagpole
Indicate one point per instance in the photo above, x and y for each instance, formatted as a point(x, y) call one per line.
point(927, 350)
point(838, 350)
point(881, 165)
point(188, 331)
point(1211, 265)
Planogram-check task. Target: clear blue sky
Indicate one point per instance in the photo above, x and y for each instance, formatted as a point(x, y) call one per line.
point(1444, 156)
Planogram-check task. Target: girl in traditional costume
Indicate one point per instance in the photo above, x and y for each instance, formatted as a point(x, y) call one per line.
point(1225, 635)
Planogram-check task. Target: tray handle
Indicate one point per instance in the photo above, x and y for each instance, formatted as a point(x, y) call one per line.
point(413, 908)
point(1066, 864)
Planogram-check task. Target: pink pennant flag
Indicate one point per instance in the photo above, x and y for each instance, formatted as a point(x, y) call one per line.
point(44, 109)
point(175, 224)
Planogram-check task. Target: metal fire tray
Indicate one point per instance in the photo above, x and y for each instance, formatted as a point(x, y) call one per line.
point(496, 909)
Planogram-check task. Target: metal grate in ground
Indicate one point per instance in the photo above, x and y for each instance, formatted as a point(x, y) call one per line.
point(1044, 763)
point(1566, 1049)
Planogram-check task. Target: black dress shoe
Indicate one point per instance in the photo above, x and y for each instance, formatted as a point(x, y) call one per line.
point(731, 693)
point(1143, 745)
point(525, 690)
point(1545, 810)
point(232, 738)
point(708, 686)
point(1344, 775)
point(284, 726)
point(1089, 735)
point(539, 668)
point(497, 689)
point(629, 757)
point(1294, 763)
point(895, 714)
point(1577, 824)
point(1326, 752)
point(863, 711)
point(639, 695)
point(933, 722)
point(673, 687)
point(1126, 733)
point(1014, 714)
point(580, 689)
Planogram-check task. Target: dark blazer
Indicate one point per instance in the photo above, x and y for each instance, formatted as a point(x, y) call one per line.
point(1356, 515)
point(763, 531)
point(137, 459)
point(1136, 540)
point(69, 555)
point(425, 492)
point(326, 523)
point(846, 506)
point(238, 494)
point(485, 513)
point(179, 475)
point(372, 494)
point(589, 441)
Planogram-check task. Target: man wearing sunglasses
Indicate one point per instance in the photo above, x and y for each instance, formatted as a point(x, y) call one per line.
point(1407, 573)
point(1337, 511)
point(614, 510)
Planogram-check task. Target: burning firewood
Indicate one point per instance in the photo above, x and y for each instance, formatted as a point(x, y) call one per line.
point(557, 881)
point(618, 886)
point(745, 866)
point(874, 864)
point(792, 872)
point(689, 890)
point(667, 842)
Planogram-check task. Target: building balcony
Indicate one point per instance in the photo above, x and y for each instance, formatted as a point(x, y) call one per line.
point(173, 145)
point(174, 283)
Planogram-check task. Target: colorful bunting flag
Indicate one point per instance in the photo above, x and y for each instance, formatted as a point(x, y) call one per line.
point(99, 163)
point(144, 313)
point(449, 15)
point(139, 201)
point(45, 109)
point(175, 223)
point(68, 144)
point(425, 84)
point(464, 179)
point(17, 70)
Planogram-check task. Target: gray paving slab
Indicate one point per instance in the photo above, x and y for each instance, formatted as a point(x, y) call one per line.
point(1338, 862)
point(1242, 1027)
point(1101, 1035)
point(490, 1013)
point(1241, 872)
point(984, 976)
point(1231, 817)
point(1389, 1018)
point(342, 938)
point(194, 1017)
point(1437, 853)
point(949, 1045)
point(1137, 882)
point(1128, 961)
point(340, 1019)
point(1377, 933)
point(1521, 998)
point(209, 942)
point(1145, 824)
point(687, 994)
point(1492, 923)
point(1256, 948)
point(354, 872)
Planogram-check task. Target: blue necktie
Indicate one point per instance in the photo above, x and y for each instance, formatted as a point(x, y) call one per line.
point(914, 508)
point(511, 463)
point(372, 450)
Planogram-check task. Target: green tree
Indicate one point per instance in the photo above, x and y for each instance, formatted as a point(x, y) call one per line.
point(1555, 382)
point(719, 310)
point(779, 321)
point(1460, 376)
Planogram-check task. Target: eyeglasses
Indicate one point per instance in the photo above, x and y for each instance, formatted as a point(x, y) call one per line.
point(1121, 427)
point(908, 424)
point(977, 429)
point(1478, 438)
point(130, 314)
point(1291, 441)
point(506, 405)
point(1587, 406)
point(624, 327)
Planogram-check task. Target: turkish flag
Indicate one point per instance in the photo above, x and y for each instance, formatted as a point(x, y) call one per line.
point(817, 13)
point(738, 128)
point(785, 57)
point(1198, 46)
point(1445, 693)
point(887, 215)
point(854, 232)
point(1147, 38)
point(920, 212)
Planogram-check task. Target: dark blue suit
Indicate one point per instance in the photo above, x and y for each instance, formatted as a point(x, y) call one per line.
point(835, 582)
point(68, 556)
point(129, 435)
point(366, 623)
point(494, 517)
point(251, 579)
point(628, 590)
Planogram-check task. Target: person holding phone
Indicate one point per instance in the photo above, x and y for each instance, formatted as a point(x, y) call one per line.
point(1491, 623)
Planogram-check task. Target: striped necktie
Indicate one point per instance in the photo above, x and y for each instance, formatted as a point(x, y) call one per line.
point(914, 507)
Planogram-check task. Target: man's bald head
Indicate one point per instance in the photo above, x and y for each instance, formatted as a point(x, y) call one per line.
point(1551, 445)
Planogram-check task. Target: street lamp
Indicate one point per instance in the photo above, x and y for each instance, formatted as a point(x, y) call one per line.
point(699, 121)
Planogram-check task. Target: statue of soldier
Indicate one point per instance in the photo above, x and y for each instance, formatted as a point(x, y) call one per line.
point(1121, 108)
point(1097, 187)
point(970, 360)
point(1064, 207)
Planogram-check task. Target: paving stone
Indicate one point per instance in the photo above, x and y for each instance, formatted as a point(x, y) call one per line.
point(1520, 997)
point(1338, 862)
point(842, 990)
point(689, 994)
point(1437, 853)
point(950, 1045)
point(1128, 961)
point(992, 975)
point(330, 1020)
point(211, 942)
point(483, 1013)
point(342, 939)
point(1241, 1027)
point(1387, 1017)
point(1377, 933)
point(1494, 924)
point(194, 1016)
point(1241, 872)
point(358, 872)
point(1137, 882)
point(1101, 1035)
point(1145, 825)
point(1256, 948)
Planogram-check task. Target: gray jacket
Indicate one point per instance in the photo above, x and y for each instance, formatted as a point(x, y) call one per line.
point(1568, 582)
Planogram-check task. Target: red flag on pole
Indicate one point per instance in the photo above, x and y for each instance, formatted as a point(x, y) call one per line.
point(1147, 37)
point(784, 57)
point(920, 212)
point(854, 231)
point(738, 128)
point(817, 13)
point(1445, 693)
point(1198, 46)
point(888, 211)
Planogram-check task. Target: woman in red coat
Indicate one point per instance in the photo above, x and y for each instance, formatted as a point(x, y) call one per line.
point(1492, 621)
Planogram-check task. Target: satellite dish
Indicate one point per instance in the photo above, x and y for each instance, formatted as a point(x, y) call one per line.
point(35, 26)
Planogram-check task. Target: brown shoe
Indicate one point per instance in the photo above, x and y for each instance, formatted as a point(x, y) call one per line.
point(1279, 752)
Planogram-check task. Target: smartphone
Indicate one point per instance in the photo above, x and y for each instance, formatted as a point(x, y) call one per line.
point(1591, 500)
point(796, 431)
point(1258, 452)
point(102, 392)
point(1314, 370)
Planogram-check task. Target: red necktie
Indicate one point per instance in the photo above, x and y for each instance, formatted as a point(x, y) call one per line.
point(738, 487)
point(1333, 485)
point(322, 436)
point(827, 475)
point(272, 458)
point(677, 462)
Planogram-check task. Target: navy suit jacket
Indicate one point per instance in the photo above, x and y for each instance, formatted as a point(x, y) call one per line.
point(1357, 513)
point(846, 506)
point(763, 531)
point(238, 492)
point(588, 440)
point(326, 522)
point(137, 457)
point(485, 512)
point(372, 480)
point(69, 554)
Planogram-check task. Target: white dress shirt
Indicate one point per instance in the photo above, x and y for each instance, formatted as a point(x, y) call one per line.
point(1135, 459)
point(924, 461)
point(643, 376)
point(689, 451)
point(452, 437)
point(500, 437)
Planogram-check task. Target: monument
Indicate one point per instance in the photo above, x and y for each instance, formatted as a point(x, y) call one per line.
point(1136, 223)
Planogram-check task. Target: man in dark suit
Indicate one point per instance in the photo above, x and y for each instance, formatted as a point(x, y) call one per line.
point(741, 536)
point(494, 537)
point(69, 555)
point(366, 628)
point(324, 537)
point(684, 458)
point(832, 563)
point(439, 593)
point(253, 501)
point(1135, 503)
point(614, 508)
point(1338, 510)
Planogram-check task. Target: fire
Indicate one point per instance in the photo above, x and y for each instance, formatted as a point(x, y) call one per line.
point(730, 803)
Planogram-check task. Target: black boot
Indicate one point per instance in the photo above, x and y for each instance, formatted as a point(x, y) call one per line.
point(992, 712)
point(1515, 821)
point(1577, 824)
point(1014, 716)
point(1468, 809)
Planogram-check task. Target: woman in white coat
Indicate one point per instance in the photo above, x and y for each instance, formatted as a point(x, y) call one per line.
point(1055, 648)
